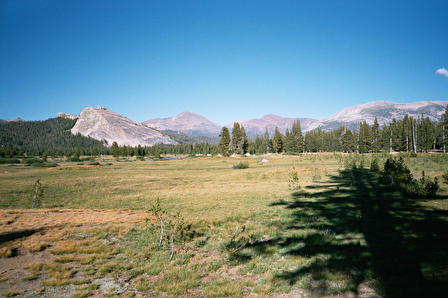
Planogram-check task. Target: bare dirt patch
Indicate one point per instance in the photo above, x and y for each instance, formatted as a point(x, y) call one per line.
point(25, 235)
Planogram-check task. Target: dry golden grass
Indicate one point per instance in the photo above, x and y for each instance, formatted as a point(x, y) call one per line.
point(106, 240)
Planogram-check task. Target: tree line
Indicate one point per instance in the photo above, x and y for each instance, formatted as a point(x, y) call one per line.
point(53, 137)
point(406, 135)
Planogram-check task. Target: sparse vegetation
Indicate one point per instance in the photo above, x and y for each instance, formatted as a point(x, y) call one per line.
point(241, 165)
point(38, 194)
point(294, 179)
point(320, 239)
point(398, 174)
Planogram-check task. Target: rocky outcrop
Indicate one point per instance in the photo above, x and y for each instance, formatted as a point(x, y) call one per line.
point(102, 124)
point(67, 116)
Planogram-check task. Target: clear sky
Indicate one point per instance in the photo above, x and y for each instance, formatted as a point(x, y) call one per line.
point(226, 60)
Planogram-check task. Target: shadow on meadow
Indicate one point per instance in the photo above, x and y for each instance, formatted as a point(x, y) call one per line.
point(352, 229)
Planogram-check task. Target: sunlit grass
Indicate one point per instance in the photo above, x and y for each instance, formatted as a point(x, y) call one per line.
point(292, 247)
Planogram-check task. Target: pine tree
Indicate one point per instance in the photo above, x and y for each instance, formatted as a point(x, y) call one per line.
point(244, 141)
point(224, 142)
point(115, 150)
point(267, 142)
point(375, 136)
point(348, 141)
point(289, 141)
point(445, 129)
point(297, 136)
point(364, 137)
point(277, 141)
point(236, 138)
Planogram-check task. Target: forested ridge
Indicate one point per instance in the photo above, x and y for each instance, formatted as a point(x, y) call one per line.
point(51, 136)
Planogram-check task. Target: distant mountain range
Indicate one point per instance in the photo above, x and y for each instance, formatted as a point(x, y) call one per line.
point(384, 111)
point(103, 124)
point(197, 125)
point(194, 124)
point(18, 119)
point(271, 121)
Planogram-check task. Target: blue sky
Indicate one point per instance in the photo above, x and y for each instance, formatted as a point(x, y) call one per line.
point(226, 60)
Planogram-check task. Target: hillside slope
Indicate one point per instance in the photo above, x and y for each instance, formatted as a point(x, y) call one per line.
point(102, 124)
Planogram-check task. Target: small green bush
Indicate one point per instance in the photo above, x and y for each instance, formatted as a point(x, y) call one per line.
point(374, 166)
point(9, 160)
point(44, 165)
point(428, 186)
point(32, 160)
point(241, 165)
point(73, 159)
point(398, 174)
point(445, 177)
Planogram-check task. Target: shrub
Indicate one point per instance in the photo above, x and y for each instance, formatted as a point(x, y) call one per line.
point(73, 159)
point(9, 160)
point(427, 186)
point(294, 179)
point(241, 165)
point(374, 166)
point(445, 177)
point(398, 174)
point(31, 160)
point(38, 194)
point(94, 163)
point(44, 165)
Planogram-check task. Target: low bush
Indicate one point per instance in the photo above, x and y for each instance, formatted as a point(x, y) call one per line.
point(32, 160)
point(9, 160)
point(292, 153)
point(241, 165)
point(73, 159)
point(44, 164)
point(445, 177)
point(374, 166)
point(398, 174)
point(94, 163)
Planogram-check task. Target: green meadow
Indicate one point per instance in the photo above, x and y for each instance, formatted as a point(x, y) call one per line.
point(339, 232)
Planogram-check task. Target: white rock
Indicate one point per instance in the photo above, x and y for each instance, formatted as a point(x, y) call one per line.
point(102, 124)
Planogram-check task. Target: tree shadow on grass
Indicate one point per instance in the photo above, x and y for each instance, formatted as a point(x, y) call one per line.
point(357, 230)
point(10, 236)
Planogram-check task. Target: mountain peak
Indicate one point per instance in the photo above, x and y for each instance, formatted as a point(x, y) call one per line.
point(384, 111)
point(271, 117)
point(186, 122)
point(102, 124)
point(186, 112)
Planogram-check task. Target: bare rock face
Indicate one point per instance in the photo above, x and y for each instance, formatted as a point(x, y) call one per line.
point(102, 124)
point(187, 123)
point(270, 121)
point(384, 111)
point(67, 116)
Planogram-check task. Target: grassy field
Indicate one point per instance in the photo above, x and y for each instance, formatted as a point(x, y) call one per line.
point(339, 233)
